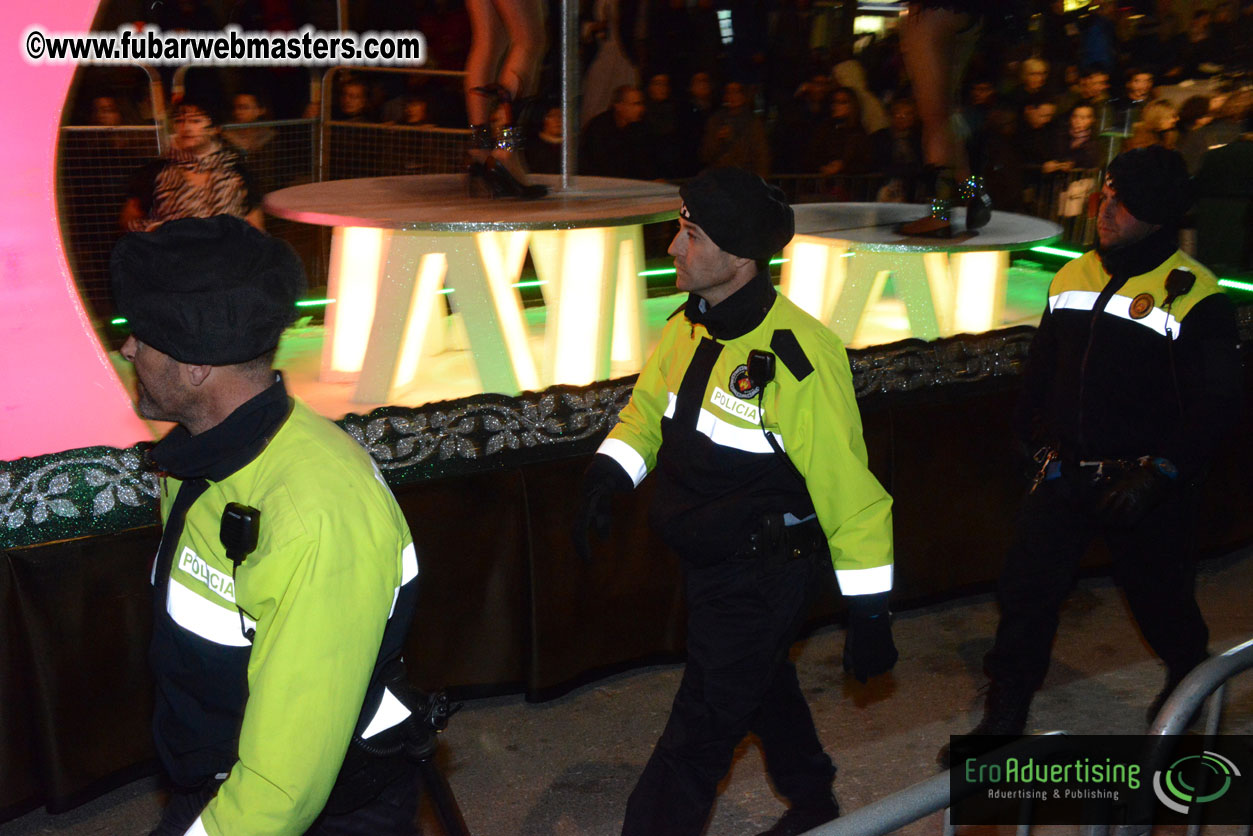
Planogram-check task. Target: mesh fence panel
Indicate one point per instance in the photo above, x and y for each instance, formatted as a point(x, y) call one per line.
point(94, 167)
point(282, 154)
point(1067, 198)
point(364, 150)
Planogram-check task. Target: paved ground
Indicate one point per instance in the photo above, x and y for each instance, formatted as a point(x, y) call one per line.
point(565, 767)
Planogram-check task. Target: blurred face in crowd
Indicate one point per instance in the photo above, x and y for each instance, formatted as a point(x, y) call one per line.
point(630, 109)
point(1094, 85)
point(1115, 226)
point(982, 93)
point(1081, 118)
point(817, 89)
point(1199, 30)
point(659, 87)
point(246, 108)
point(1139, 85)
point(700, 87)
point(733, 97)
point(904, 116)
point(1040, 115)
point(1034, 74)
point(842, 105)
point(105, 112)
point(415, 111)
point(352, 99)
point(194, 129)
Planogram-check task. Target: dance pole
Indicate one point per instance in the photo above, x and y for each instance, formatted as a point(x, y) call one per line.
point(569, 91)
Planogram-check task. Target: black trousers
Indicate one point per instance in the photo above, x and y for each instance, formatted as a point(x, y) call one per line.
point(1153, 563)
point(392, 813)
point(743, 616)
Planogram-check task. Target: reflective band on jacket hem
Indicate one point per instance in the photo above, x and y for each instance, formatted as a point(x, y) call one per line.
point(748, 439)
point(206, 619)
point(1120, 306)
point(865, 581)
point(391, 711)
point(624, 454)
point(197, 828)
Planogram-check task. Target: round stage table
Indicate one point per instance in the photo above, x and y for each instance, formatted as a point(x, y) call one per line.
point(843, 254)
point(399, 243)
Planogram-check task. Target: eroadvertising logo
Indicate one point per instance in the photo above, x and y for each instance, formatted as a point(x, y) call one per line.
point(1100, 779)
point(1174, 788)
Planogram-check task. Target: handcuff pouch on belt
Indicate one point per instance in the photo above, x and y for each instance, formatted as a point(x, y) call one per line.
point(777, 542)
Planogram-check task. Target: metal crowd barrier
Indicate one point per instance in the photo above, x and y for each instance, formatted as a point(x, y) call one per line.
point(1068, 198)
point(382, 147)
point(94, 168)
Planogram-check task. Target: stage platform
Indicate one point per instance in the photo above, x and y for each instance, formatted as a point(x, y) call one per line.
point(451, 374)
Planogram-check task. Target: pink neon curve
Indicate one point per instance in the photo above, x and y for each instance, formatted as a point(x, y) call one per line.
point(58, 390)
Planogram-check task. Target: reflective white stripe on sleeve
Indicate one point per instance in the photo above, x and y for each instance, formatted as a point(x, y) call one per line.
point(748, 439)
point(624, 454)
point(409, 564)
point(865, 581)
point(408, 571)
point(391, 711)
point(197, 828)
point(206, 619)
point(1156, 320)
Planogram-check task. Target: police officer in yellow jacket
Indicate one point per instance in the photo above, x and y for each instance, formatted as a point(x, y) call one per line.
point(284, 584)
point(1132, 380)
point(745, 413)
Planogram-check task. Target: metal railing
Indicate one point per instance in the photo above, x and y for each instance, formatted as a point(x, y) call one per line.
point(1068, 198)
point(383, 147)
point(94, 169)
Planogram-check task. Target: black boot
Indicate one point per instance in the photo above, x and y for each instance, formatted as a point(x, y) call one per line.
point(805, 817)
point(491, 169)
point(1004, 715)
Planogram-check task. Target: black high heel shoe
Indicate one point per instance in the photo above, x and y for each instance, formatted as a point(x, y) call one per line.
point(978, 203)
point(499, 182)
point(939, 224)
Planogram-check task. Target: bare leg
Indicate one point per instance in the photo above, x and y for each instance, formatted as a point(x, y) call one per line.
point(524, 20)
point(512, 30)
point(936, 44)
point(930, 47)
point(488, 40)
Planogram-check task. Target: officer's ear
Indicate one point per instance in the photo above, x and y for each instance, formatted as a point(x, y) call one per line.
point(197, 374)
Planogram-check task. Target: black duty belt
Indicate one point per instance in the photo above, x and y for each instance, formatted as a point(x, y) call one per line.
point(775, 540)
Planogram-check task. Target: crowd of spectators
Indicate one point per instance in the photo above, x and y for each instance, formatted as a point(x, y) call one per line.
point(1058, 95)
point(772, 86)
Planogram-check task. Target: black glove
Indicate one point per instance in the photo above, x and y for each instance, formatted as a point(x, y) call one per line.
point(603, 478)
point(868, 648)
point(1134, 492)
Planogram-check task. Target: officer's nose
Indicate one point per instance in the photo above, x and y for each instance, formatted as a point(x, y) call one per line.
point(129, 348)
point(673, 249)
